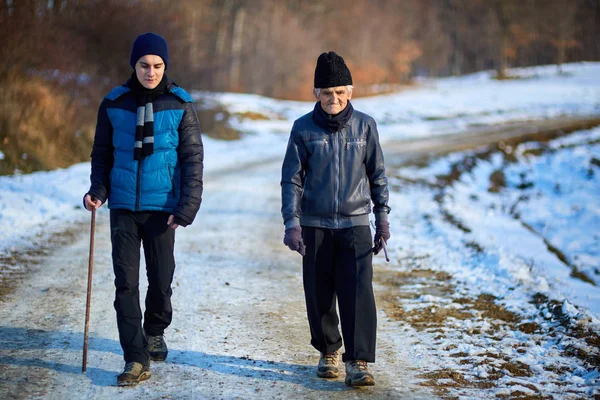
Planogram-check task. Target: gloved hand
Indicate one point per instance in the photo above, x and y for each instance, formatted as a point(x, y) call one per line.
point(382, 232)
point(293, 240)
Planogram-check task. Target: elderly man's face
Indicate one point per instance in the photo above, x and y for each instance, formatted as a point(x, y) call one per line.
point(334, 99)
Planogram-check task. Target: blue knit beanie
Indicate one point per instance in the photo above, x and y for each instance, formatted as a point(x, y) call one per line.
point(149, 43)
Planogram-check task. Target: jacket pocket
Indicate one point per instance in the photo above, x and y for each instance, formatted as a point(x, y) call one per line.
point(317, 147)
point(171, 177)
point(322, 141)
point(353, 144)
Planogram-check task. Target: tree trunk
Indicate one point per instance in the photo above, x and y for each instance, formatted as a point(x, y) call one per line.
point(236, 48)
point(502, 8)
point(220, 40)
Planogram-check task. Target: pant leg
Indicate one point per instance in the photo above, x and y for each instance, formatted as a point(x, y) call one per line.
point(354, 276)
point(159, 245)
point(125, 238)
point(319, 289)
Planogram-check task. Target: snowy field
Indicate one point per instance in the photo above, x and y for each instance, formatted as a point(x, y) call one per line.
point(549, 196)
point(516, 229)
point(531, 246)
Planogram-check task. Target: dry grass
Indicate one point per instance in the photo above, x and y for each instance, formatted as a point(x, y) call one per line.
point(497, 181)
point(214, 123)
point(252, 115)
point(42, 126)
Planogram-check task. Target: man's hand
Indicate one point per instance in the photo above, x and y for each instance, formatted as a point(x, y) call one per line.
point(382, 232)
point(171, 222)
point(91, 203)
point(293, 240)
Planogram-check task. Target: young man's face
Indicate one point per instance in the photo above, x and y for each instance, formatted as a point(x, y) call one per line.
point(150, 70)
point(334, 99)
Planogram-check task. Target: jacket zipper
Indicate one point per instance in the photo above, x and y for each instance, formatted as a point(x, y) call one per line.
point(138, 188)
point(337, 160)
point(172, 180)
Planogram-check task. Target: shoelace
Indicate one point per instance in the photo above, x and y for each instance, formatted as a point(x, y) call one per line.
point(128, 368)
point(330, 358)
point(360, 365)
point(157, 341)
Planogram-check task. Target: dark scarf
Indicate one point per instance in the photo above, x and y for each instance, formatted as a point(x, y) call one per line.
point(332, 123)
point(144, 127)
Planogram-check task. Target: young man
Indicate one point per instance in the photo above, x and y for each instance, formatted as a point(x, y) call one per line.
point(332, 170)
point(147, 161)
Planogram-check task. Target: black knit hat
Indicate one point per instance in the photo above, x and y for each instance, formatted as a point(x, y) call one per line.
point(331, 71)
point(149, 43)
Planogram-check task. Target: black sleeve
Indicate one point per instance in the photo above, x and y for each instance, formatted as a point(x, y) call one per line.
point(292, 180)
point(191, 160)
point(102, 156)
point(376, 173)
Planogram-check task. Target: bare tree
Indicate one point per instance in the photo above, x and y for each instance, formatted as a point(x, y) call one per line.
point(562, 28)
point(505, 12)
point(237, 43)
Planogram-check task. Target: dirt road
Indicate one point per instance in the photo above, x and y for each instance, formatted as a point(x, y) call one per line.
point(239, 328)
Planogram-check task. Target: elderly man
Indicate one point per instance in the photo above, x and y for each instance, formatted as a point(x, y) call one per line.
point(332, 170)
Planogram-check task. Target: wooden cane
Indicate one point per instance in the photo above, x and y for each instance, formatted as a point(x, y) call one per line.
point(89, 291)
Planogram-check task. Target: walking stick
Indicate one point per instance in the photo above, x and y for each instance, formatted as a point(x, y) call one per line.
point(387, 258)
point(89, 291)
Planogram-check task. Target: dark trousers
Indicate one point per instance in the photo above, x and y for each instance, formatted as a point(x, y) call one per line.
point(129, 229)
point(338, 263)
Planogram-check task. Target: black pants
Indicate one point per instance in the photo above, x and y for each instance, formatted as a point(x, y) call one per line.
point(128, 229)
point(338, 262)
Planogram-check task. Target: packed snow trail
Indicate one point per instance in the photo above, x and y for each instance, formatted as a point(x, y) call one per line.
point(239, 328)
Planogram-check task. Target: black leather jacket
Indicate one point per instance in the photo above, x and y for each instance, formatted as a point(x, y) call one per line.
point(329, 179)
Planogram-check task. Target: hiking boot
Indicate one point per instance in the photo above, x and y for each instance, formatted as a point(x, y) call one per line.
point(329, 365)
point(133, 373)
point(157, 347)
point(358, 374)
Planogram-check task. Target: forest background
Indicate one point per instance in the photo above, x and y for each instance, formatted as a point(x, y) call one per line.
point(59, 57)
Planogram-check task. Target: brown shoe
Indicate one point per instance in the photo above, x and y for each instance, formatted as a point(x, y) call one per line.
point(133, 373)
point(329, 365)
point(358, 374)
